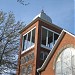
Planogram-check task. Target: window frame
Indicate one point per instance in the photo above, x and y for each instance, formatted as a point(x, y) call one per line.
point(60, 54)
point(45, 46)
point(24, 50)
point(44, 53)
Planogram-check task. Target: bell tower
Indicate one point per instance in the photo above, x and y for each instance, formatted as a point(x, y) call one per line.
point(36, 41)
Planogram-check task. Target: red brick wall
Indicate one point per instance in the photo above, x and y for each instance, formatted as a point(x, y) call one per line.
point(66, 41)
point(36, 62)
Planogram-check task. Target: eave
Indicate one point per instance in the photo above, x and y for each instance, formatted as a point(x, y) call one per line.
point(39, 19)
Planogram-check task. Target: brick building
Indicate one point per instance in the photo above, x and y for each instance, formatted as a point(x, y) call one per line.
point(46, 49)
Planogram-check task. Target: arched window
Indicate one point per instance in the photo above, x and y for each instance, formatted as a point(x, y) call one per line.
point(65, 63)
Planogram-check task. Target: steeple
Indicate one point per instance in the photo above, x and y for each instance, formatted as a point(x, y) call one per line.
point(43, 16)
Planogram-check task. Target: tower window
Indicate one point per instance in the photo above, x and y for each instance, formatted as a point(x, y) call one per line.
point(44, 36)
point(43, 55)
point(29, 39)
point(48, 37)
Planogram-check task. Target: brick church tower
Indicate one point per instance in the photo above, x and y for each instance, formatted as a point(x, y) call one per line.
point(36, 41)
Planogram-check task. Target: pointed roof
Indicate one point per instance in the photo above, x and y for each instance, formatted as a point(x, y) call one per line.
point(53, 49)
point(43, 16)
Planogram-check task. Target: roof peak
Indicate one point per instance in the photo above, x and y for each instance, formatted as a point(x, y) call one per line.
point(43, 16)
point(42, 11)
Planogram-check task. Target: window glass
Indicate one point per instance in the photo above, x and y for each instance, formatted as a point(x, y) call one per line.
point(33, 37)
point(55, 37)
point(50, 39)
point(44, 36)
point(24, 42)
point(73, 64)
point(42, 56)
point(29, 39)
point(45, 55)
point(65, 64)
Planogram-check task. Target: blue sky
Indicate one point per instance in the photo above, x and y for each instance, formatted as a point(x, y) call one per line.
point(60, 11)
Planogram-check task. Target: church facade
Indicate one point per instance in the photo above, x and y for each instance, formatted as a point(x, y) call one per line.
point(46, 49)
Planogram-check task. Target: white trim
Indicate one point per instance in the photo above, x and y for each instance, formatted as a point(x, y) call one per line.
point(31, 38)
point(53, 32)
point(50, 30)
point(29, 31)
point(27, 38)
point(27, 49)
point(69, 33)
point(53, 39)
point(47, 38)
point(45, 47)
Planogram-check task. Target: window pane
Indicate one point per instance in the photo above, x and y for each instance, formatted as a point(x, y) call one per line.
point(28, 40)
point(24, 42)
point(50, 39)
point(33, 37)
point(44, 35)
point(58, 66)
point(67, 60)
point(73, 64)
point(55, 37)
point(45, 55)
point(42, 55)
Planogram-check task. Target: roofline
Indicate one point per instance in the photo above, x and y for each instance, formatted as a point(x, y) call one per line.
point(53, 49)
point(73, 35)
point(38, 18)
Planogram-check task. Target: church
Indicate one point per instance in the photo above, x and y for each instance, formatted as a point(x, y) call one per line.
point(45, 49)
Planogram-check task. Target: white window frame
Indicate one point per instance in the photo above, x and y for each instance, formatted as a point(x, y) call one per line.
point(30, 40)
point(47, 37)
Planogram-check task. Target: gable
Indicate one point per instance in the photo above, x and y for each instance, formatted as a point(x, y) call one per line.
point(65, 39)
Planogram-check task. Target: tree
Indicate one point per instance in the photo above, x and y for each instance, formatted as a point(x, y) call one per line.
point(9, 42)
point(22, 2)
